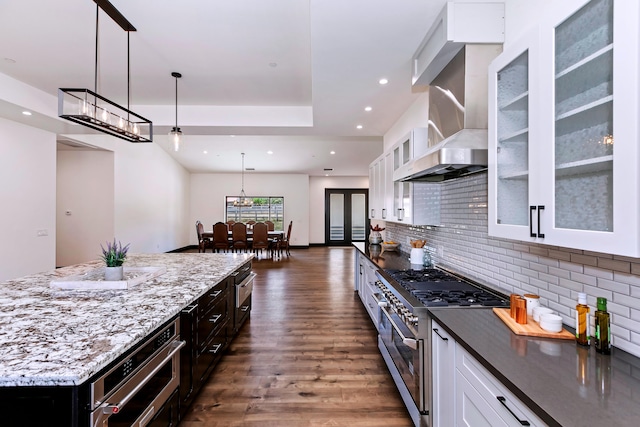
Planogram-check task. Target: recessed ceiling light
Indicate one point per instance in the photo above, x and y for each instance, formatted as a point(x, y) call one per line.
point(26, 113)
point(326, 174)
point(269, 152)
point(383, 81)
point(205, 152)
point(332, 152)
point(368, 108)
point(359, 127)
point(232, 136)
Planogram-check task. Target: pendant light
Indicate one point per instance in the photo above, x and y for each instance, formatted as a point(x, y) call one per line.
point(243, 200)
point(176, 133)
point(88, 108)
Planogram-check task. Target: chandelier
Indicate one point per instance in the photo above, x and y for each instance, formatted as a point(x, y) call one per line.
point(92, 110)
point(243, 200)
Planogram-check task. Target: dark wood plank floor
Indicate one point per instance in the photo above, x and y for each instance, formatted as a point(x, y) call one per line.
point(307, 357)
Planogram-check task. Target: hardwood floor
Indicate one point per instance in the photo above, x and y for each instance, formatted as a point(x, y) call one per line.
point(307, 356)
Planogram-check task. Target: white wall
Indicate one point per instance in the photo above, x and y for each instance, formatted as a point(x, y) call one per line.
point(208, 192)
point(84, 204)
point(317, 185)
point(28, 195)
point(152, 194)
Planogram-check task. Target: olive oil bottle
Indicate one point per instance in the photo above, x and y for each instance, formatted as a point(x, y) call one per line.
point(603, 330)
point(582, 320)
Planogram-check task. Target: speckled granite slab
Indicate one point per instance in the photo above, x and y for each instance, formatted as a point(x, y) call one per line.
point(62, 337)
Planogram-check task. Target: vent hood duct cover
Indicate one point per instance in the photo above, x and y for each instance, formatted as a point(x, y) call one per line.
point(458, 115)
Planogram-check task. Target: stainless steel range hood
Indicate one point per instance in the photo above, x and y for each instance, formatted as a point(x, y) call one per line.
point(457, 136)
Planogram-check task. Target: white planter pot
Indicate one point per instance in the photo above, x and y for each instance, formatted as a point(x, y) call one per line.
point(113, 273)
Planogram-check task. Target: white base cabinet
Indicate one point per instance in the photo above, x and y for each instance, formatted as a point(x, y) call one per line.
point(443, 350)
point(482, 400)
point(365, 278)
point(465, 393)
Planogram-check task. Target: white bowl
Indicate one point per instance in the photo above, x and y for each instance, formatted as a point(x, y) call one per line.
point(551, 322)
point(539, 310)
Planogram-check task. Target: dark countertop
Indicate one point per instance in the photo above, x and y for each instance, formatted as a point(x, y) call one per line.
point(564, 384)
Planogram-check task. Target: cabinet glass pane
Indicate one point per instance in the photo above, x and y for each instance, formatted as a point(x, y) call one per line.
point(406, 151)
point(513, 142)
point(358, 218)
point(584, 119)
point(396, 158)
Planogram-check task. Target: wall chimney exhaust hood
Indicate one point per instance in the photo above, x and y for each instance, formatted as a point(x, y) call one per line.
point(458, 98)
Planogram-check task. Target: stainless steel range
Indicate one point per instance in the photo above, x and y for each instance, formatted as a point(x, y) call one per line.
point(405, 327)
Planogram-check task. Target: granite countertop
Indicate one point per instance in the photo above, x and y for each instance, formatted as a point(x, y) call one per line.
point(564, 384)
point(53, 337)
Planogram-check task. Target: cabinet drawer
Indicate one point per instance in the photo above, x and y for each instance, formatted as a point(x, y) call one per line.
point(211, 352)
point(212, 321)
point(501, 400)
point(213, 295)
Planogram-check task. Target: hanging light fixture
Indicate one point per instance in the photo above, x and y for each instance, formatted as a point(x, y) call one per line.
point(243, 200)
point(90, 109)
point(176, 133)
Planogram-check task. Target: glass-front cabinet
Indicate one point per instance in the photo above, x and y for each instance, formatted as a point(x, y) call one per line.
point(559, 98)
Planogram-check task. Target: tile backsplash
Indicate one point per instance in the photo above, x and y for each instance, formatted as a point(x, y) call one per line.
point(557, 274)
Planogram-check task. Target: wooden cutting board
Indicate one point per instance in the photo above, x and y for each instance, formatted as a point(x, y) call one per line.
point(531, 328)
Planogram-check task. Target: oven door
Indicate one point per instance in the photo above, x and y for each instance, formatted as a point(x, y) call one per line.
point(143, 395)
point(407, 354)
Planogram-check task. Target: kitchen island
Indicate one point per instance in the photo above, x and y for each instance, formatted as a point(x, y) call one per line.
point(58, 338)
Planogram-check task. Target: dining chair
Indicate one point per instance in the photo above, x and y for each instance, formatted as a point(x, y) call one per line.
point(220, 237)
point(270, 225)
point(239, 237)
point(260, 238)
point(284, 242)
point(203, 242)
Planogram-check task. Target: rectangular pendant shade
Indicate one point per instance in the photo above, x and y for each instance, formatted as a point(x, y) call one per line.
point(89, 109)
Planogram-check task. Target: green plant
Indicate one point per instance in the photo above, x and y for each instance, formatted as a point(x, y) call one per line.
point(115, 254)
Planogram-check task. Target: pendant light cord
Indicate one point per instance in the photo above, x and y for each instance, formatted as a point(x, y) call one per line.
point(95, 68)
point(176, 103)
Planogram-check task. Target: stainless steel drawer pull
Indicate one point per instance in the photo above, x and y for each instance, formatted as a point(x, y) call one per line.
point(438, 334)
point(244, 308)
point(215, 318)
point(215, 349)
point(502, 400)
point(215, 293)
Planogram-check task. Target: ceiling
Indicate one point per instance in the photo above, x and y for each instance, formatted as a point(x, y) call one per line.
point(289, 76)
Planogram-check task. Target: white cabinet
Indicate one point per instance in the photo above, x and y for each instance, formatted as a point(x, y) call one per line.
point(558, 99)
point(365, 278)
point(443, 348)
point(481, 400)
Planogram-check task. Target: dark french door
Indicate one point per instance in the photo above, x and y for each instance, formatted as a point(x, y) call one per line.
point(346, 217)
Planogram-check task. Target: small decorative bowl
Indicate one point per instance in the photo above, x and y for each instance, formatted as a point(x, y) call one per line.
point(389, 246)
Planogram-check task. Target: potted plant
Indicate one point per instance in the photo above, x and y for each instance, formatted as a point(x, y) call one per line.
point(114, 256)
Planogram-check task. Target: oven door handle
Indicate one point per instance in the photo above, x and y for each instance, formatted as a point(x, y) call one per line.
point(115, 408)
point(409, 342)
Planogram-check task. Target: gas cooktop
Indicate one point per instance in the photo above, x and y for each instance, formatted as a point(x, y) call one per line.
point(436, 288)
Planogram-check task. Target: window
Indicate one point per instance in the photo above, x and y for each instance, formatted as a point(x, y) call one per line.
point(263, 209)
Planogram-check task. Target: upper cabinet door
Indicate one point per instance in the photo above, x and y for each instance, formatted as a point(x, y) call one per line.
point(513, 145)
point(582, 189)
